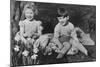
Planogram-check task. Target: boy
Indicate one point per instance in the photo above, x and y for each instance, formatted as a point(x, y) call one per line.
point(63, 34)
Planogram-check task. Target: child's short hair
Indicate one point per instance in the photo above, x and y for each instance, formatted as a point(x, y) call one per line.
point(29, 6)
point(62, 12)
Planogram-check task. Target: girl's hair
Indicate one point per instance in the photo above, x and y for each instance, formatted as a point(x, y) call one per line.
point(29, 6)
point(62, 12)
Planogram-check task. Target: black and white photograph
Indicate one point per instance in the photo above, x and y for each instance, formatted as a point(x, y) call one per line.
point(44, 33)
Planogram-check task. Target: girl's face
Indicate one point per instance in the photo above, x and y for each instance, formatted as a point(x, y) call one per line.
point(29, 14)
point(63, 20)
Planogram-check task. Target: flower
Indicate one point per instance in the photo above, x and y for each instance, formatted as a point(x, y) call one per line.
point(28, 39)
point(49, 53)
point(35, 50)
point(16, 48)
point(34, 56)
point(25, 53)
point(57, 50)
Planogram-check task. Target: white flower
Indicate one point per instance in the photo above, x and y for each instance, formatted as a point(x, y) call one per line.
point(25, 53)
point(35, 50)
point(49, 53)
point(34, 56)
point(57, 50)
point(28, 39)
point(16, 48)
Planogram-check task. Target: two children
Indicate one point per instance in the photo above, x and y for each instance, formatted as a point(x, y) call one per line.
point(65, 36)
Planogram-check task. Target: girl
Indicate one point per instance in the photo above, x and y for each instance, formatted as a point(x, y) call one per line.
point(30, 30)
point(29, 27)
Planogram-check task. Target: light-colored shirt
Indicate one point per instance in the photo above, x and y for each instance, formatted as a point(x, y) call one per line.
point(30, 27)
point(61, 30)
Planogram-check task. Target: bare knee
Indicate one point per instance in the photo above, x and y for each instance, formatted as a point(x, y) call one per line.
point(66, 47)
point(66, 44)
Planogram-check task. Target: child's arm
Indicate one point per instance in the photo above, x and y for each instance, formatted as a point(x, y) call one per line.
point(56, 37)
point(40, 28)
point(21, 28)
point(73, 33)
point(22, 31)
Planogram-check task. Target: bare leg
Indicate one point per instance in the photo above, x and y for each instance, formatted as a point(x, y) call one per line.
point(56, 41)
point(79, 46)
point(63, 51)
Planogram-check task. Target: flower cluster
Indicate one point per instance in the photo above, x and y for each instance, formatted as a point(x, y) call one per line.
point(16, 48)
point(25, 53)
point(34, 56)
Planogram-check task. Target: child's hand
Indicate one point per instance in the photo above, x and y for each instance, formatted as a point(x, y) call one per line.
point(28, 40)
point(35, 50)
point(35, 36)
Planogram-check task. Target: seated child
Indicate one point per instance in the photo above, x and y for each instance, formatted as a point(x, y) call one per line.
point(29, 27)
point(63, 35)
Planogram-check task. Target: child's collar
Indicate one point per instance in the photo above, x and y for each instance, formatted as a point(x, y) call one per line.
point(66, 23)
point(30, 20)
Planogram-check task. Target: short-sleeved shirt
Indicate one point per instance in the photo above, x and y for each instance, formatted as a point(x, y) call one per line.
point(30, 27)
point(61, 30)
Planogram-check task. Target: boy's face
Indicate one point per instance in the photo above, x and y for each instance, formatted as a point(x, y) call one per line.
point(29, 14)
point(63, 20)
